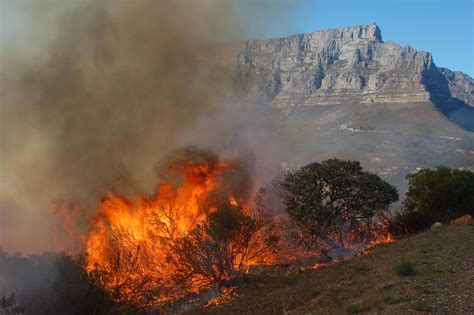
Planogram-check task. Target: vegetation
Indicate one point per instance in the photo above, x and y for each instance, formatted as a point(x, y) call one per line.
point(50, 284)
point(357, 308)
point(190, 267)
point(216, 254)
point(443, 263)
point(322, 197)
point(9, 306)
point(405, 268)
point(438, 195)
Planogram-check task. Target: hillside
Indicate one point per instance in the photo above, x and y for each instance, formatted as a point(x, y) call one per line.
point(443, 283)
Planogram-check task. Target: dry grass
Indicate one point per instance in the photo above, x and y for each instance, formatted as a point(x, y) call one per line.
point(443, 282)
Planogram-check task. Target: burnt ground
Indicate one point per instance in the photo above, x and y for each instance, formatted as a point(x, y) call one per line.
point(443, 282)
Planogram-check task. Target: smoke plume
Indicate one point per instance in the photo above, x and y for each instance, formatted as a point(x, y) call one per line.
point(120, 87)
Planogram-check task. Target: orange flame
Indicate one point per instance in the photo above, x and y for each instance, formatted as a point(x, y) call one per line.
point(373, 236)
point(130, 240)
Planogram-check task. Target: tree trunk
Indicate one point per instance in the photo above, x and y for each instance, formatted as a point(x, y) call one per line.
point(341, 236)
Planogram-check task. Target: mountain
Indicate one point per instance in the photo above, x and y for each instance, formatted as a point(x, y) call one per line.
point(461, 86)
point(345, 92)
point(352, 64)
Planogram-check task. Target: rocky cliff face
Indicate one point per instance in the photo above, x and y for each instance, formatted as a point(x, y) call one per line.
point(349, 65)
point(461, 86)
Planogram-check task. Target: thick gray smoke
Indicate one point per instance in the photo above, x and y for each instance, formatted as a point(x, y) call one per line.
point(121, 86)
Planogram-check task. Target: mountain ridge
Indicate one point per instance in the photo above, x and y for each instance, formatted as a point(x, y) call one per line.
point(346, 93)
point(351, 65)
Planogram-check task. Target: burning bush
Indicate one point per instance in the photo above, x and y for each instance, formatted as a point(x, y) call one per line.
point(218, 253)
point(181, 242)
point(326, 199)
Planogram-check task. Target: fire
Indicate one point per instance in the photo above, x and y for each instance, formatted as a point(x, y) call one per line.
point(363, 238)
point(232, 201)
point(131, 241)
point(138, 248)
point(67, 233)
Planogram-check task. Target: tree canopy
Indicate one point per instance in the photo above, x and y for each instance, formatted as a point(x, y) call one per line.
point(440, 194)
point(321, 197)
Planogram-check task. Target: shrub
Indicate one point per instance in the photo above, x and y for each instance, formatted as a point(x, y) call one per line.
point(405, 268)
point(408, 222)
point(50, 284)
point(438, 195)
point(78, 291)
point(390, 299)
point(357, 308)
point(9, 306)
point(217, 253)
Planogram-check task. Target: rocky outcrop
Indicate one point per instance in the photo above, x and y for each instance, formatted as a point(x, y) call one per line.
point(351, 65)
point(460, 85)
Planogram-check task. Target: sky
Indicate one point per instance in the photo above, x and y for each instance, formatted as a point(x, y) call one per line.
point(443, 27)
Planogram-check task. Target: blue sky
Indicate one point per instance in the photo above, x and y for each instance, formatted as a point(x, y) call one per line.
point(442, 27)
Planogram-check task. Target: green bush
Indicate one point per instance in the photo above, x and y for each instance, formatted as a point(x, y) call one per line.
point(434, 195)
point(438, 195)
point(405, 268)
point(390, 299)
point(357, 308)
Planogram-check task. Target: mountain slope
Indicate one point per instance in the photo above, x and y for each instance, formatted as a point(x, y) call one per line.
point(347, 93)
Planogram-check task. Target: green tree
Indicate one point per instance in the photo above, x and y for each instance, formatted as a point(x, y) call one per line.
point(439, 194)
point(322, 197)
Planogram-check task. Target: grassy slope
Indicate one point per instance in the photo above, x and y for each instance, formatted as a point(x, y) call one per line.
point(443, 283)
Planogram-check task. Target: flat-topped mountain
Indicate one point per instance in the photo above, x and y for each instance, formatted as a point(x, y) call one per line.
point(351, 65)
point(346, 93)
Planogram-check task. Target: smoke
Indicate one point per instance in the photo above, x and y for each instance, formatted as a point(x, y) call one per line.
point(109, 89)
point(245, 130)
point(102, 104)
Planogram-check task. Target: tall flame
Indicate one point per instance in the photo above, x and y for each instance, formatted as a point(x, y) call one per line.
point(131, 243)
point(130, 240)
